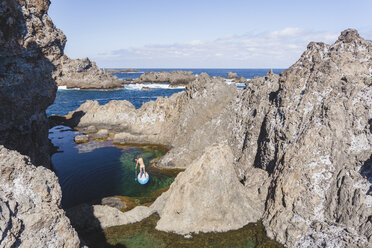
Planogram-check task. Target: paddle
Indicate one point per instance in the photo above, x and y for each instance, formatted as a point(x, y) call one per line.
point(135, 172)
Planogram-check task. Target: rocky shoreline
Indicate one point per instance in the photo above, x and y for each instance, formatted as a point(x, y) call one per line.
point(282, 132)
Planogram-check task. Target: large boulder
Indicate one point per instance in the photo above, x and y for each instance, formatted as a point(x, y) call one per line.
point(30, 199)
point(207, 197)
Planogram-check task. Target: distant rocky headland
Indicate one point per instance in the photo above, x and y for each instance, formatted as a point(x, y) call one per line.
point(128, 70)
point(83, 74)
point(293, 150)
point(174, 78)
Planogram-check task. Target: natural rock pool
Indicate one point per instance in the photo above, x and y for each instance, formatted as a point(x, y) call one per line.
point(91, 171)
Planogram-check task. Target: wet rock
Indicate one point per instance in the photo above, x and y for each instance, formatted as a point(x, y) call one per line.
point(81, 139)
point(101, 134)
point(91, 129)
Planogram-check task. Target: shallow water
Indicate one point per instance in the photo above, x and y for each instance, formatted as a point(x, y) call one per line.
point(91, 171)
point(143, 234)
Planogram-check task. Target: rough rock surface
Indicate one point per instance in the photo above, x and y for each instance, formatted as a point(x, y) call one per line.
point(30, 198)
point(83, 74)
point(314, 143)
point(301, 141)
point(223, 203)
point(172, 77)
point(29, 41)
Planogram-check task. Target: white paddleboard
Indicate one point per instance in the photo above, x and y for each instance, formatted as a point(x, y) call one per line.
point(144, 179)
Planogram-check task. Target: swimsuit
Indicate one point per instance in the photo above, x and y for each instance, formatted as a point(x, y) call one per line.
point(142, 166)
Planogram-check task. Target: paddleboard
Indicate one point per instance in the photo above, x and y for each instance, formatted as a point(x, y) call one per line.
point(144, 179)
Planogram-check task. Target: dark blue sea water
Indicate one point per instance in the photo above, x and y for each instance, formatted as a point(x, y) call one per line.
point(68, 100)
point(247, 73)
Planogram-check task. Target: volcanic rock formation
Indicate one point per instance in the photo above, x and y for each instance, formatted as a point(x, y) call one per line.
point(30, 214)
point(316, 142)
point(29, 41)
point(301, 141)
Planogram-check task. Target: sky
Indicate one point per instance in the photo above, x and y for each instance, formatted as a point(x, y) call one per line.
point(203, 33)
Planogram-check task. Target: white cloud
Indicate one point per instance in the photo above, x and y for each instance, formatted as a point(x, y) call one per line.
point(275, 49)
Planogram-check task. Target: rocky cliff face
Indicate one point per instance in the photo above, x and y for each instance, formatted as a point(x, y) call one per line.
point(29, 41)
point(315, 141)
point(83, 74)
point(30, 214)
point(30, 199)
point(301, 141)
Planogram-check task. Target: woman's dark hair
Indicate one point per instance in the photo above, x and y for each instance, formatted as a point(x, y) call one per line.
point(138, 156)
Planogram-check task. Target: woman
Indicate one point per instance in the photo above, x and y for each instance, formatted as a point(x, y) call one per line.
point(142, 165)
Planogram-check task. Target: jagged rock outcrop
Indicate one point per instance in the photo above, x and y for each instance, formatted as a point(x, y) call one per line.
point(84, 74)
point(30, 199)
point(29, 41)
point(314, 142)
point(301, 141)
point(173, 77)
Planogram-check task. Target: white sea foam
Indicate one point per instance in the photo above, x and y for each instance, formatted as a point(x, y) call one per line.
point(151, 86)
point(229, 81)
point(131, 72)
point(64, 87)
